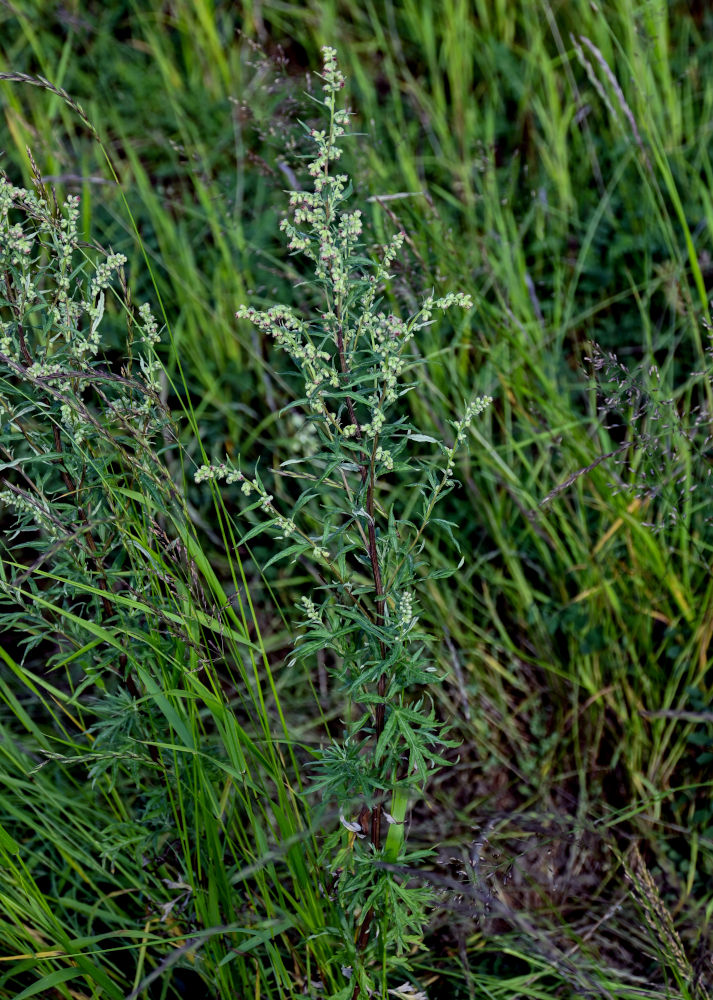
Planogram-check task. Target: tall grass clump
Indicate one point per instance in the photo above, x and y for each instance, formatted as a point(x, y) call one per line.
point(367, 546)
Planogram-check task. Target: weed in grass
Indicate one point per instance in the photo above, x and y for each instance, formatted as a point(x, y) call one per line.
point(119, 733)
point(67, 416)
point(354, 359)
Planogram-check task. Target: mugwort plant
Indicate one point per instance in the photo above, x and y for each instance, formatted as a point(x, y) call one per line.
point(79, 433)
point(357, 364)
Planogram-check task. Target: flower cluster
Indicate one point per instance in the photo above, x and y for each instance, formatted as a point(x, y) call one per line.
point(472, 410)
point(385, 457)
point(331, 74)
point(218, 472)
point(311, 611)
point(52, 306)
point(292, 335)
point(229, 474)
point(37, 509)
point(16, 243)
point(329, 237)
point(405, 616)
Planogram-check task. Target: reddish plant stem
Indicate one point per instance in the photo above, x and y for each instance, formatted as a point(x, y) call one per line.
point(367, 470)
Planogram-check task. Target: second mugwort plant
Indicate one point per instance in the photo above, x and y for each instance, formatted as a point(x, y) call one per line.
point(355, 358)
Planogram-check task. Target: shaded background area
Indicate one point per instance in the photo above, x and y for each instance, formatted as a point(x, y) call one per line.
point(554, 160)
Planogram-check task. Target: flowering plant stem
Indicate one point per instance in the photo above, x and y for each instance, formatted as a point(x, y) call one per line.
point(353, 357)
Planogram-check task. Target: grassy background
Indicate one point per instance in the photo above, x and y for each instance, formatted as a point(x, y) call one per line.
point(554, 161)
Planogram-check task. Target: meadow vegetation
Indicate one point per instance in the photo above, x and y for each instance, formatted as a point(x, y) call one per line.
point(357, 644)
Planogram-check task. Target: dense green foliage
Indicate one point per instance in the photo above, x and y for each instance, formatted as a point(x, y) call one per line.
point(157, 829)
